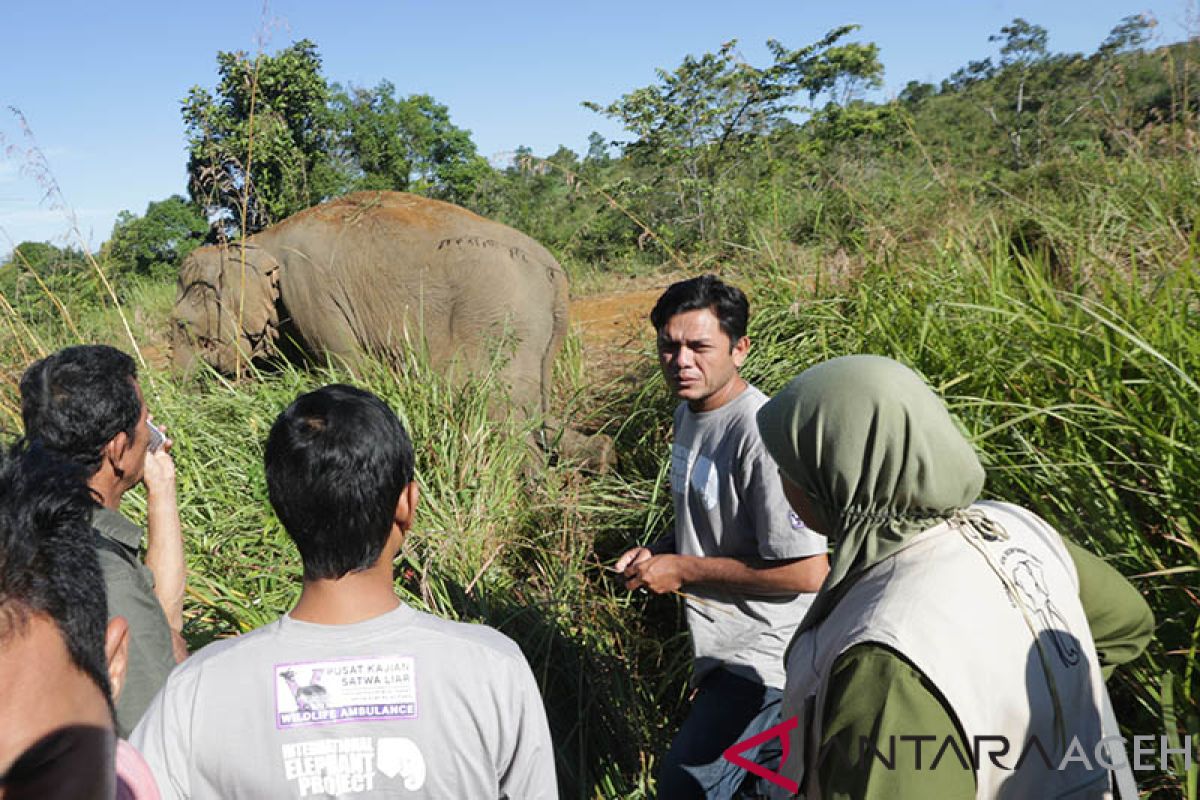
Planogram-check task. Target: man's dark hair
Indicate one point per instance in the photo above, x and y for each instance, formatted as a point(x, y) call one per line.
point(337, 460)
point(76, 400)
point(728, 303)
point(48, 564)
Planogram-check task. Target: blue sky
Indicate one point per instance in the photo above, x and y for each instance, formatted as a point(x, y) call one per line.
point(100, 84)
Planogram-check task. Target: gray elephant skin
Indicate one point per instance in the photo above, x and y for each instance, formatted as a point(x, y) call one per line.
point(378, 272)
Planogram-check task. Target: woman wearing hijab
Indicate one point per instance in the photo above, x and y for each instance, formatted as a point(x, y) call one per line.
point(944, 620)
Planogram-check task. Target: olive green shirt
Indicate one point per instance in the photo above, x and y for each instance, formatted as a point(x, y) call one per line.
point(875, 693)
point(130, 589)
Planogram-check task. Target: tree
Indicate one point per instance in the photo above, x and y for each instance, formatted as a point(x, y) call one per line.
point(1023, 46)
point(707, 116)
point(45, 258)
point(1127, 35)
point(405, 144)
point(155, 244)
point(259, 148)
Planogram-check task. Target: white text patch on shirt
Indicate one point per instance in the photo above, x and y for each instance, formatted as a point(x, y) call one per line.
point(346, 690)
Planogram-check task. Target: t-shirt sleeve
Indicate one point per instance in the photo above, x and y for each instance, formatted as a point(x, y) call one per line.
point(779, 532)
point(529, 771)
point(874, 694)
point(163, 737)
point(1120, 620)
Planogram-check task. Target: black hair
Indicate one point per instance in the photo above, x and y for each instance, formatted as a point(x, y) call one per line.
point(48, 564)
point(337, 460)
point(76, 400)
point(727, 302)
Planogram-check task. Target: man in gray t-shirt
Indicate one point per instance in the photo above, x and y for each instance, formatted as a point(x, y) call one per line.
point(352, 694)
point(747, 562)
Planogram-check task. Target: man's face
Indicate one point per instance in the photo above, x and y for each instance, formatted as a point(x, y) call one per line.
point(58, 738)
point(698, 360)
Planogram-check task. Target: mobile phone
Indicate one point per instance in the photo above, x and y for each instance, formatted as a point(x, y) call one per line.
point(157, 437)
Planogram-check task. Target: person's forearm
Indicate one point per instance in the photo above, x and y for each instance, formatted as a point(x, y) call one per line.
point(164, 554)
point(756, 575)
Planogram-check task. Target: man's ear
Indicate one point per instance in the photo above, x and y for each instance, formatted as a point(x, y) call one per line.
point(116, 651)
point(740, 350)
point(406, 506)
point(114, 451)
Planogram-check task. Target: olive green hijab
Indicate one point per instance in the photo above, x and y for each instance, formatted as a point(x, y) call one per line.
point(878, 456)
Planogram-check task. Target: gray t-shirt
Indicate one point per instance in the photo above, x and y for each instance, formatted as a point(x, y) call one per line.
point(402, 705)
point(728, 502)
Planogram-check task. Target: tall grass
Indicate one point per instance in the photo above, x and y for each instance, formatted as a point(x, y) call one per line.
point(1056, 311)
point(499, 539)
point(1083, 401)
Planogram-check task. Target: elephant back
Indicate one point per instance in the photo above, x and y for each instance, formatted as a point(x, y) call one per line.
point(381, 270)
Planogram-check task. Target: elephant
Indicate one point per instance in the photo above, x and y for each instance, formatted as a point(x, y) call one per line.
point(376, 272)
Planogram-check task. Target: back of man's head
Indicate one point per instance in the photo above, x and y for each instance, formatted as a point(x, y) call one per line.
point(76, 400)
point(48, 564)
point(58, 736)
point(337, 460)
point(728, 303)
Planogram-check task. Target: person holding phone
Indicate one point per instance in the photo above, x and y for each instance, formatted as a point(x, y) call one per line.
point(84, 404)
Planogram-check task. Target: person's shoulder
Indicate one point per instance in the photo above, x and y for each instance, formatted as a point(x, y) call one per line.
point(754, 396)
point(470, 636)
point(741, 422)
point(743, 408)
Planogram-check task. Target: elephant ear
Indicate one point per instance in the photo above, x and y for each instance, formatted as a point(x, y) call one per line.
point(249, 292)
point(225, 307)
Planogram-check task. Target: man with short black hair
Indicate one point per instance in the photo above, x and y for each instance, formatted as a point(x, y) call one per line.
point(352, 693)
point(84, 404)
point(56, 651)
point(747, 562)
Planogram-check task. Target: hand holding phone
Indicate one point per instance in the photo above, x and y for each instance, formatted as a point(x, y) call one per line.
point(157, 437)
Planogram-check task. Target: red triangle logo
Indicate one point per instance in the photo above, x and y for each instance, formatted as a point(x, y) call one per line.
point(780, 731)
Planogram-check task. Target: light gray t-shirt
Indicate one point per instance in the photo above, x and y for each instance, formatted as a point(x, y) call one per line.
point(402, 705)
point(728, 502)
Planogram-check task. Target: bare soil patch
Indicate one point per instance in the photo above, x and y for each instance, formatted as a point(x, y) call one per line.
point(614, 330)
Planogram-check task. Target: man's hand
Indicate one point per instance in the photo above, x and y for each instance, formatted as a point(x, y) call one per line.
point(660, 574)
point(630, 557)
point(158, 474)
point(164, 539)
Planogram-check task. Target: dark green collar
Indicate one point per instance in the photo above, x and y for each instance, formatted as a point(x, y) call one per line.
point(113, 525)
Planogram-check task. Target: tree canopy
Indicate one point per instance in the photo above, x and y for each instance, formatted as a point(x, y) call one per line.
point(155, 243)
point(275, 137)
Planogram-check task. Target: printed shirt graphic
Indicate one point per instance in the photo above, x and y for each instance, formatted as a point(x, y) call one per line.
point(328, 692)
point(728, 502)
point(352, 765)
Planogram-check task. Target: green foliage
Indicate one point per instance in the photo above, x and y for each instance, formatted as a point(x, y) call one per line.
point(40, 280)
point(259, 148)
point(276, 138)
point(405, 144)
point(45, 258)
point(711, 115)
point(155, 244)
